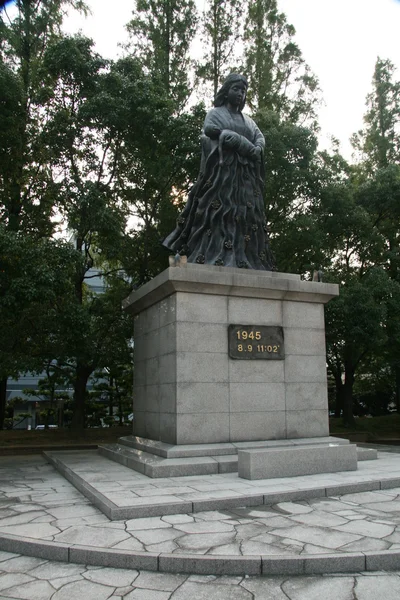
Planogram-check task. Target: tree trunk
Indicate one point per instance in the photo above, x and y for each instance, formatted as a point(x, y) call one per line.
point(348, 417)
point(339, 400)
point(82, 375)
point(3, 400)
point(397, 371)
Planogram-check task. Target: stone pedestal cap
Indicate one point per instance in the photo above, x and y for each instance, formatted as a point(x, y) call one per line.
point(208, 279)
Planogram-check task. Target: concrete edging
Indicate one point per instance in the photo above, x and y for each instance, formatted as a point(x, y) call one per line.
point(204, 564)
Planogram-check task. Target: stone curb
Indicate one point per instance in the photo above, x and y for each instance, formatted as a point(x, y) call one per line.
point(204, 564)
point(114, 513)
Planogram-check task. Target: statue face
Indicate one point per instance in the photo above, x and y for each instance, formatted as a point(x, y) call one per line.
point(236, 94)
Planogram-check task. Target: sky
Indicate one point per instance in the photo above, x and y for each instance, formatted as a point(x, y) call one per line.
point(339, 39)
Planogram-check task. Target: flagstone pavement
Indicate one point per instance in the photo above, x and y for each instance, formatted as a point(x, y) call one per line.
point(36, 502)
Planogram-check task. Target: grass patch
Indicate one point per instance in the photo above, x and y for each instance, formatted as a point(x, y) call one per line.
point(387, 426)
point(61, 437)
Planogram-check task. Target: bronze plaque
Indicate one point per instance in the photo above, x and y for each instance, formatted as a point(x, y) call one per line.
point(249, 342)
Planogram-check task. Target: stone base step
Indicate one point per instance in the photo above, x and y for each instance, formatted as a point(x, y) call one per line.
point(151, 458)
point(218, 449)
point(156, 466)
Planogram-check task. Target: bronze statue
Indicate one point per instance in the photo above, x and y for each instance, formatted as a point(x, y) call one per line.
point(223, 222)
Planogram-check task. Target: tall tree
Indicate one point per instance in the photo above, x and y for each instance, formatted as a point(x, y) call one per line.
point(379, 147)
point(28, 191)
point(279, 78)
point(221, 33)
point(162, 32)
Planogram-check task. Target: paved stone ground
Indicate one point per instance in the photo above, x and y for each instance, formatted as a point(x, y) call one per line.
point(36, 502)
point(36, 579)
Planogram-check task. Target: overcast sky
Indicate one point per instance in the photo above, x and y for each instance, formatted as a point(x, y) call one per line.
point(340, 40)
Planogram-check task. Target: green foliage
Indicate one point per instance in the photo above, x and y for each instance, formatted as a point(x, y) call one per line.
point(221, 24)
point(161, 34)
point(279, 78)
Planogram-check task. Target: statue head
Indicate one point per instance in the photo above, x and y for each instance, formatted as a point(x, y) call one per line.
point(220, 98)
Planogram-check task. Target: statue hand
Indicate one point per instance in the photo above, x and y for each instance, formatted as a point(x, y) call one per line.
point(231, 140)
point(255, 154)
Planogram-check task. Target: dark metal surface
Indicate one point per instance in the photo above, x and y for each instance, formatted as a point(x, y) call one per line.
point(223, 222)
point(256, 342)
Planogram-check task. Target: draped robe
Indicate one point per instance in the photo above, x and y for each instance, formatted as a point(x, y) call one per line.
point(223, 222)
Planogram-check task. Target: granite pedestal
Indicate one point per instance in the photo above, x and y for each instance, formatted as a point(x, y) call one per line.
point(187, 387)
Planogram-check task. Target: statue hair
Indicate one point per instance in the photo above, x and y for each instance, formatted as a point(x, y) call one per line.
point(220, 98)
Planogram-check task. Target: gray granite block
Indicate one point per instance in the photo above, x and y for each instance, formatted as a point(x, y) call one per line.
point(153, 369)
point(202, 337)
point(152, 398)
point(201, 308)
point(139, 377)
point(227, 464)
point(181, 467)
point(195, 397)
point(151, 510)
point(267, 463)
point(305, 369)
point(366, 453)
point(358, 486)
point(282, 565)
point(152, 317)
point(301, 423)
point(152, 421)
point(167, 310)
point(253, 397)
point(167, 339)
point(123, 456)
point(139, 398)
point(117, 559)
point(215, 450)
point(210, 565)
point(246, 426)
point(334, 563)
point(306, 315)
point(139, 423)
point(37, 548)
point(139, 324)
point(196, 428)
point(152, 344)
point(223, 503)
point(167, 368)
point(320, 440)
point(262, 371)
point(391, 482)
point(167, 428)
point(252, 311)
point(385, 560)
point(289, 496)
point(304, 341)
point(310, 396)
point(202, 367)
point(168, 398)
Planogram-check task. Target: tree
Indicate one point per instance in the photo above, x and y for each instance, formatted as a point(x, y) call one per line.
point(379, 147)
point(279, 79)
point(28, 191)
point(162, 32)
point(84, 138)
point(35, 281)
point(221, 24)
point(26, 185)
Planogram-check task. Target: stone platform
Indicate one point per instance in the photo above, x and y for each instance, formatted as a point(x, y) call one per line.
point(343, 522)
point(159, 459)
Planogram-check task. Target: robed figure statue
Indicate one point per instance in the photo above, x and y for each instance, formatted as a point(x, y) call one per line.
point(223, 222)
